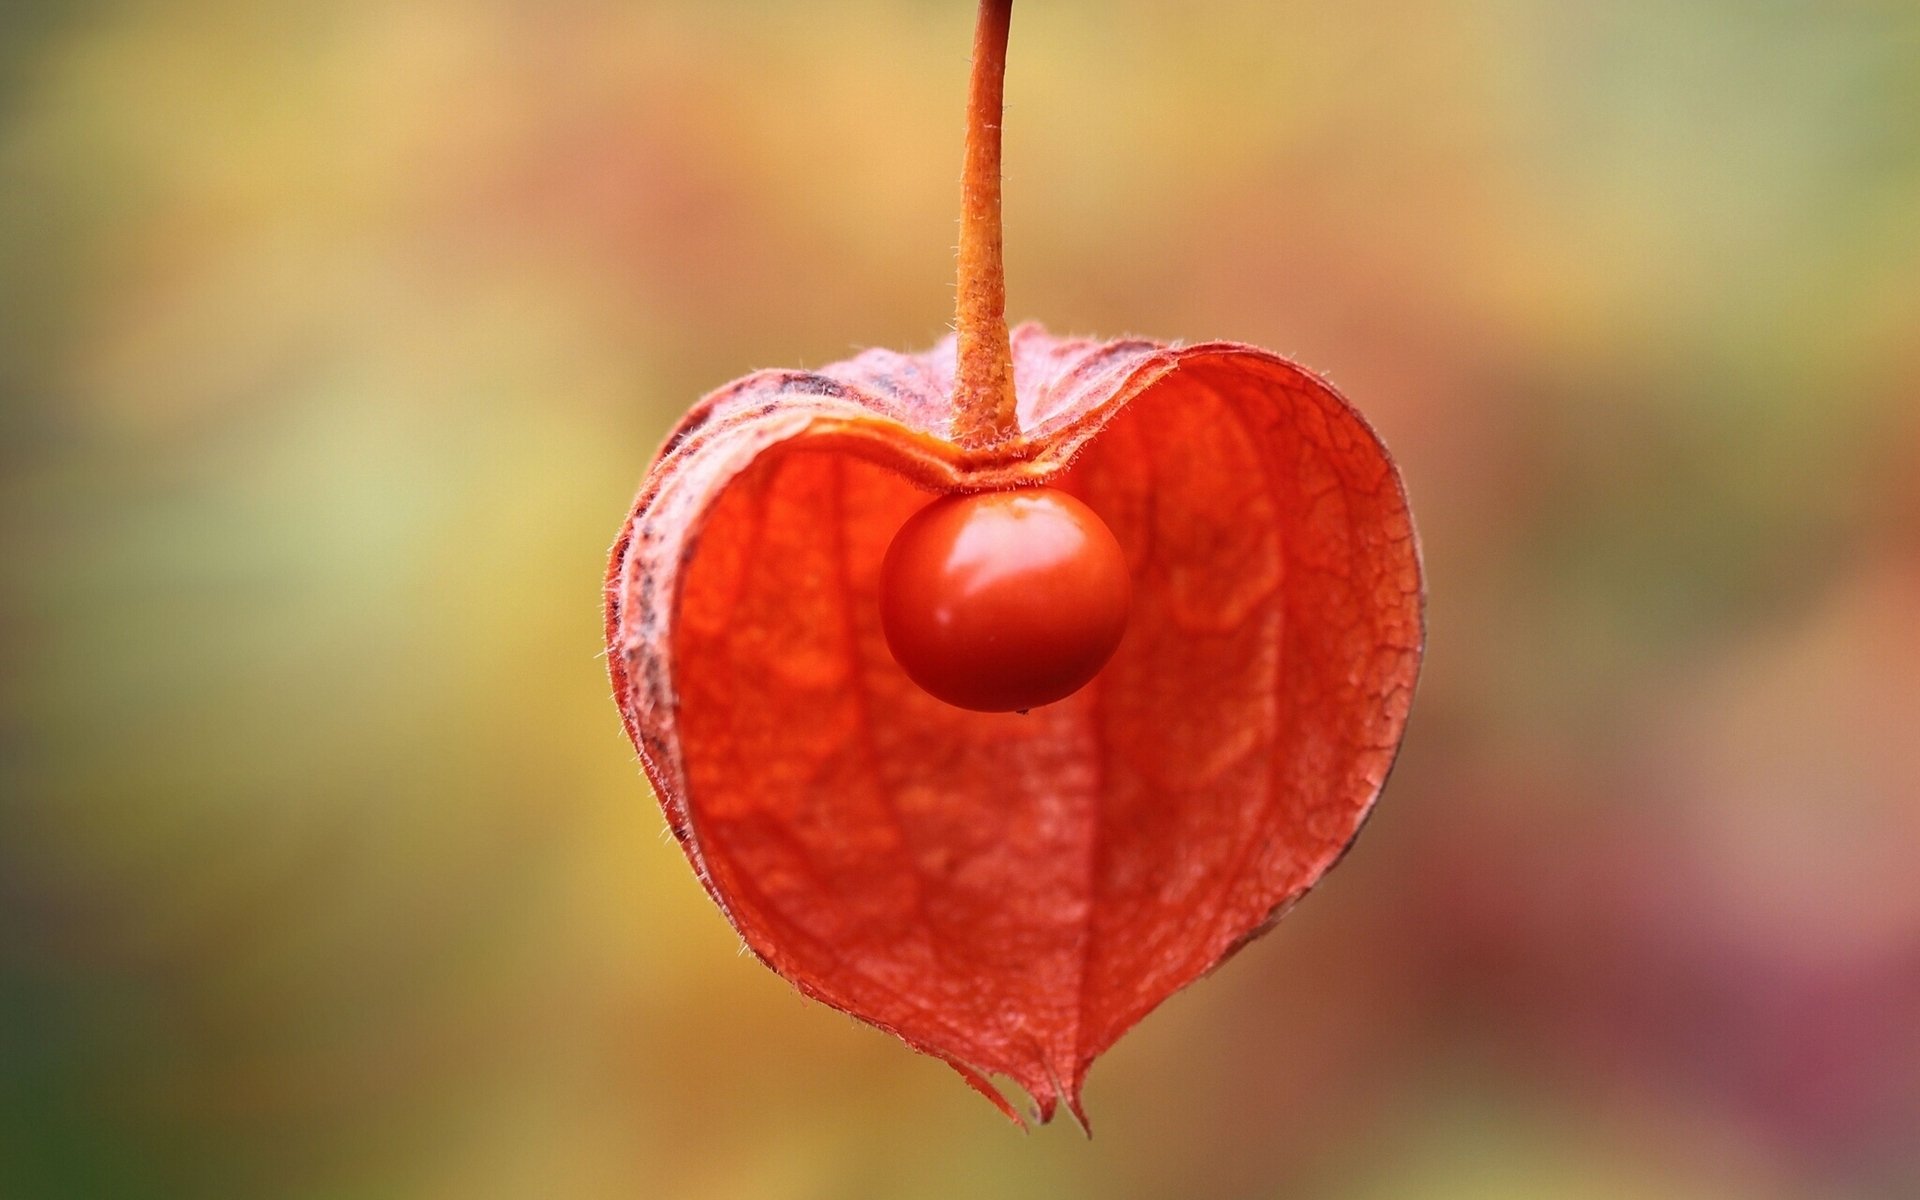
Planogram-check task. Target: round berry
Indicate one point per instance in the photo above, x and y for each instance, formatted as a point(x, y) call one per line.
point(1004, 601)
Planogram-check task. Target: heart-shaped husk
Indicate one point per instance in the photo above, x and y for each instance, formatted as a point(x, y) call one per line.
point(1011, 893)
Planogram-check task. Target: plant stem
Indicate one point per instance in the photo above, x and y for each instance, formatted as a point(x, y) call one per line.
point(983, 397)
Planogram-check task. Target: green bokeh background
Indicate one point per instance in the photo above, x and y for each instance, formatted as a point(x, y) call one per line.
point(334, 338)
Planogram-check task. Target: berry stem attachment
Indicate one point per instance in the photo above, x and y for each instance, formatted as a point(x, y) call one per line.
point(983, 372)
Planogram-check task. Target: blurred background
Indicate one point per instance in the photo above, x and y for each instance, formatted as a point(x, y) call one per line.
point(334, 340)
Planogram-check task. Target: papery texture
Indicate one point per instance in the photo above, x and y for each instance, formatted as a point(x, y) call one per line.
point(1011, 893)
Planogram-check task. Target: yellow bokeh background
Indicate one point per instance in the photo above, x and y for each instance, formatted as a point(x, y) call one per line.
point(334, 339)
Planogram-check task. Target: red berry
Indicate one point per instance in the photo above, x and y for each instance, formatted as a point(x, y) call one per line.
point(1003, 601)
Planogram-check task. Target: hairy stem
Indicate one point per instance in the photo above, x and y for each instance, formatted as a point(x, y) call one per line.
point(983, 377)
